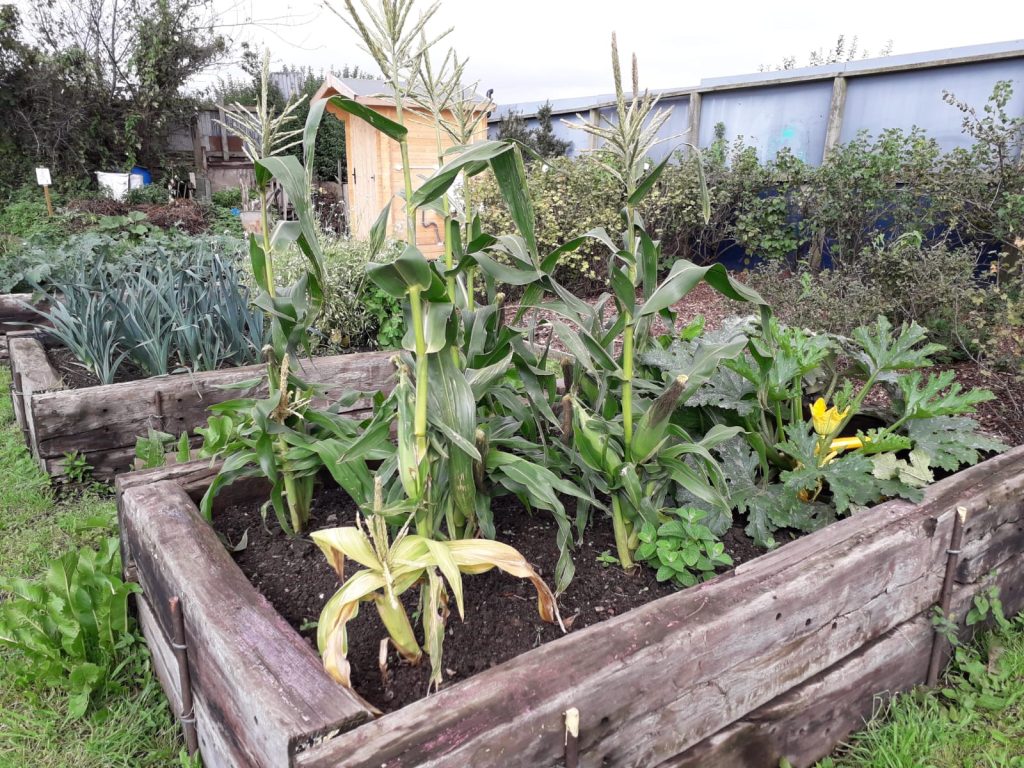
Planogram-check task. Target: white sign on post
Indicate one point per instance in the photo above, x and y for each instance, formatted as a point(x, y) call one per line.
point(43, 177)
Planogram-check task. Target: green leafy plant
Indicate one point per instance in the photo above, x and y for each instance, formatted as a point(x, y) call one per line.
point(682, 549)
point(151, 451)
point(795, 405)
point(71, 629)
point(77, 467)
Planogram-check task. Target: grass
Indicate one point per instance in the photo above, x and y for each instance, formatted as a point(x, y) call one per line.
point(975, 721)
point(135, 729)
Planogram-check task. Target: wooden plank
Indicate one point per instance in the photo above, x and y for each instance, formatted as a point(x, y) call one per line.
point(695, 661)
point(112, 416)
point(263, 687)
point(32, 375)
point(989, 542)
point(16, 310)
point(213, 744)
point(808, 722)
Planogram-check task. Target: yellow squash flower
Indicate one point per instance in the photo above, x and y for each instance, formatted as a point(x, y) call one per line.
point(826, 420)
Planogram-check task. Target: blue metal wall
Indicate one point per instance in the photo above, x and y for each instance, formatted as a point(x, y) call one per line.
point(894, 92)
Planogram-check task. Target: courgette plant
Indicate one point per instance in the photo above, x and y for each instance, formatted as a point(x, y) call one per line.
point(800, 461)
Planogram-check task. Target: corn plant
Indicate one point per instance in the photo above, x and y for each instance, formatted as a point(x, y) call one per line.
point(392, 566)
point(262, 436)
point(459, 354)
point(637, 463)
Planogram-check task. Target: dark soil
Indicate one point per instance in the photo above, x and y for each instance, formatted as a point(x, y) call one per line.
point(501, 611)
point(75, 376)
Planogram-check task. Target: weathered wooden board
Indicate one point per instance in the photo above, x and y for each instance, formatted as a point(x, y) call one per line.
point(261, 689)
point(16, 312)
point(804, 724)
point(102, 423)
point(696, 661)
point(31, 375)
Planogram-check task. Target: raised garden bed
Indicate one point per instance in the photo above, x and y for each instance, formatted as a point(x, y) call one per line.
point(102, 423)
point(782, 657)
point(15, 315)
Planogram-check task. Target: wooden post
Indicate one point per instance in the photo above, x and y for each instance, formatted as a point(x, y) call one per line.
point(572, 738)
point(693, 118)
point(49, 202)
point(595, 119)
point(834, 127)
point(952, 555)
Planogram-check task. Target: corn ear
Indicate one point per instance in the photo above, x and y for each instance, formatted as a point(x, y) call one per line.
point(593, 447)
point(652, 428)
point(396, 622)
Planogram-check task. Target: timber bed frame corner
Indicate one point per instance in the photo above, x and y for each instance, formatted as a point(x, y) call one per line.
point(102, 423)
point(17, 314)
point(782, 657)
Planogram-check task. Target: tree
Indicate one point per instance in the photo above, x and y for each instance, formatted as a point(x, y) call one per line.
point(540, 140)
point(545, 141)
point(97, 83)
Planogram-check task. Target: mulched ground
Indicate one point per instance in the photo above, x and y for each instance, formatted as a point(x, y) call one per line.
point(501, 611)
point(186, 215)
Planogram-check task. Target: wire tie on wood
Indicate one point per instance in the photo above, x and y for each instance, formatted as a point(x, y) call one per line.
point(180, 649)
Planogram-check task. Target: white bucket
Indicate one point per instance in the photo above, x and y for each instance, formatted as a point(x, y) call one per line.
point(118, 184)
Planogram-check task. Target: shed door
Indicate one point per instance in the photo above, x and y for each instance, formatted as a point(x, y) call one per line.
point(361, 142)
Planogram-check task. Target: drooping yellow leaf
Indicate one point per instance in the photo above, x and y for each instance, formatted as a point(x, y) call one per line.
point(481, 555)
point(339, 543)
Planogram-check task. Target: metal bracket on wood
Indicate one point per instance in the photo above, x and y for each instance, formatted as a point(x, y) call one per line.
point(158, 404)
point(952, 557)
point(187, 717)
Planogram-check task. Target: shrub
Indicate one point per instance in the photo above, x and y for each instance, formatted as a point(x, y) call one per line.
point(355, 314)
point(155, 194)
point(869, 184)
point(227, 198)
point(909, 281)
point(570, 197)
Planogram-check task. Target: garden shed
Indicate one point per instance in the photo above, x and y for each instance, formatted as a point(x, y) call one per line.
point(375, 161)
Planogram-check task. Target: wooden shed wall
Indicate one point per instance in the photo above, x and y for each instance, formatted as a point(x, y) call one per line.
point(375, 175)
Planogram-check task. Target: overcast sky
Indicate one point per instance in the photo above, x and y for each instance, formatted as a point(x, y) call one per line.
point(538, 49)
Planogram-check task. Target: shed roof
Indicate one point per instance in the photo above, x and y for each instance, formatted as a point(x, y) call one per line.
point(366, 91)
